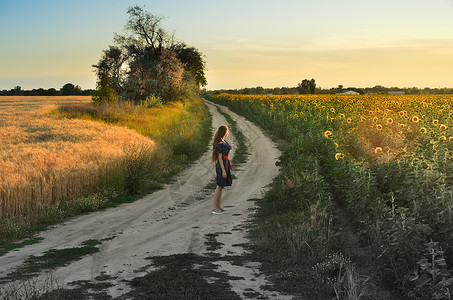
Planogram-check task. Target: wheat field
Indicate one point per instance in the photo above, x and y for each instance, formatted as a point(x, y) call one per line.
point(44, 157)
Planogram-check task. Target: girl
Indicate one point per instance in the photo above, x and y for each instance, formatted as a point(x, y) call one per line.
point(221, 157)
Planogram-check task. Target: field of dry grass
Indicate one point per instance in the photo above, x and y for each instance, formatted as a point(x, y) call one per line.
point(44, 156)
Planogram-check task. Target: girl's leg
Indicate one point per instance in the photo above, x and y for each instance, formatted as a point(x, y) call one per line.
point(217, 197)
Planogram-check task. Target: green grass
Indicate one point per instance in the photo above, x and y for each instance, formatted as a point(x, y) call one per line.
point(182, 276)
point(6, 247)
point(82, 289)
point(212, 243)
point(50, 260)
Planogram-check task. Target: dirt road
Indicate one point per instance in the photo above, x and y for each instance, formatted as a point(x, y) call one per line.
point(173, 220)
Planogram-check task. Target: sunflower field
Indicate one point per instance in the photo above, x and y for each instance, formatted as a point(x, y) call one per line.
point(385, 159)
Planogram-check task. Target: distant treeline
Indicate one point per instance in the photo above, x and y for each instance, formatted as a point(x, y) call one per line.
point(378, 89)
point(67, 89)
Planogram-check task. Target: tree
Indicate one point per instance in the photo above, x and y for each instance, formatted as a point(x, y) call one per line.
point(17, 90)
point(104, 93)
point(52, 92)
point(193, 61)
point(67, 89)
point(77, 90)
point(146, 31)
point(307, 86)
point(148, 61)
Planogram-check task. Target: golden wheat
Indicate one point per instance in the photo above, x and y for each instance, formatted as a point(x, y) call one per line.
point(44, 157)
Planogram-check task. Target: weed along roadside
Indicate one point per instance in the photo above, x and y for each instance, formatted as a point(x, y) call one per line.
point(167, 243)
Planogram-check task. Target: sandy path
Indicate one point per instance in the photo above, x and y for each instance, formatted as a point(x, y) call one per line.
point(170, 221)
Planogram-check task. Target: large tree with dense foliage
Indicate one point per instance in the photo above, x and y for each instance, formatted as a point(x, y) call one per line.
point(70, 89)
point(147, 62)
point(307, 86)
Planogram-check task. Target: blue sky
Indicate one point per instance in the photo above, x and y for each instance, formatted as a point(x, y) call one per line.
point(247, 43)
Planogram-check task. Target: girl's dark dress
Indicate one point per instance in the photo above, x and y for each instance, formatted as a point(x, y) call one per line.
point(224, 148)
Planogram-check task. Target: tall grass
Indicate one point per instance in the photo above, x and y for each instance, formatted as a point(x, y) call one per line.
point(175, 126)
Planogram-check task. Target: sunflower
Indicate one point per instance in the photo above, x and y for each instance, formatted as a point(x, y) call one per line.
point(379, 127)
point(341, 116)
point(375, 119)
point(378, 150)
point(423, 130)
point(442, 127)
point(327, 133)
point(339, 156)
point(415, 119)
point(390, 120)
point(349, 120)
point(435, 122)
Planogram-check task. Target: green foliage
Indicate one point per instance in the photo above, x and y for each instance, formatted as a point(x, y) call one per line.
point(104, 92)
point(151, 101)
point(194, 62)
point(70, 89)
point(432, 278)
point(139, 164)
point(307, 86)
point(84, 204)
point(51, 259)
point(398, 205)
point(182, 276)
point(156, 63)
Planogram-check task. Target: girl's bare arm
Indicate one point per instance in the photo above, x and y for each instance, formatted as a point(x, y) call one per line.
point(219, 156)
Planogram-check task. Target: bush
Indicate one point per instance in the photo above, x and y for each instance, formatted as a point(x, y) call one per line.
point(104, 93)
point(138, 165)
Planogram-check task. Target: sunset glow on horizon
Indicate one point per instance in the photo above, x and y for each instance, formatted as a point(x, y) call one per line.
point(247, 43)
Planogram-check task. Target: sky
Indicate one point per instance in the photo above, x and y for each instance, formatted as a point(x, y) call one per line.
point(247, 43)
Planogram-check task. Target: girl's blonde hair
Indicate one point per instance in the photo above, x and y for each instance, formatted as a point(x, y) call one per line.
point(220, 133)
